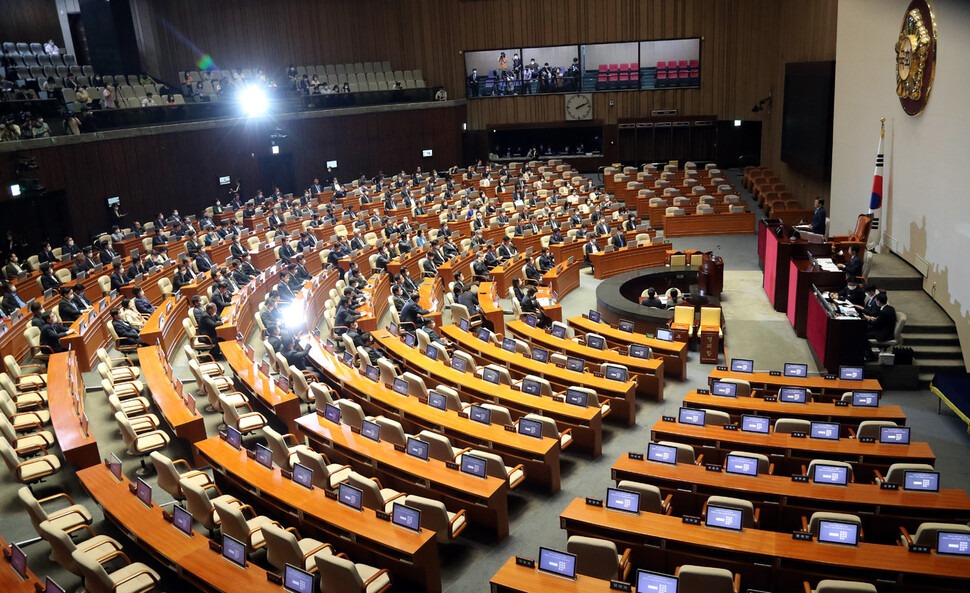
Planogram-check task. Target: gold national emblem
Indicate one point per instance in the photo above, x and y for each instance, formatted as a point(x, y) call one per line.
point(916, 57)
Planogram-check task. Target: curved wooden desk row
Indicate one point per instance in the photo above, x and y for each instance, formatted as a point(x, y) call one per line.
point(377, 291)
point(65, 402)
point(783, 502)
point(793, 452)
point(649, 373)
point(488, 299)
point(164, 327)
point(539, 457)
point(815, 411)
point(261, 389)
point(728, 223)
point(184, 421)
point(621, 396)
point(409, 555)
point(658, 214)
point(628, 259)
point(765, 559)
point(833, 388)
point(674, 354)
point(586, 423)
point(485, 500)
point(512, 578)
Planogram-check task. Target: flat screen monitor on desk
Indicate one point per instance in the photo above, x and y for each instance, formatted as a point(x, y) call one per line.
point(828, 431)
point(838, 532)
point(850, 373)
point(372, 373)
point(595, 342)
point(577, 398)
point(464, 324)
point(480, 414)
point(473, 465)
point(615, 373)
point(417, 448)
point(594, 316)
point(724, 517)
point(350, 496)
point(665, 335)
point(692, 416)
point(458, 363)
point(559, 332)
point(865, 399)
point(234, 550)
point(52, 587)
point(508, 344)
point(953, 543)
point(894, 435)
point(793, 395)
point(654, 582)
point(491, 376)
point(484, 335)
point(724, 389)
point(558, 563)
point(264, 456)
point(114, 465)
point(182, 520)
point(831, 474)
point(18, 561)
point(639, 351)
point(623, 500)
point(531, 428)
point(540, 355)
point(758, 424)
point(406, 517)
point(662, 453)
point(303, 475)
point(233, 437)
point(410, 340)
point(793, 369)
point(370, 430)
point(332, 413)
point(437, 401)
point(431, 352)
point(574, 364)
point(143, 492)
point(742, 365)
point(921, 481)
point(741, 465)
point(531, 386)
point(400, 386)
point(296, 580)
point(625, 326)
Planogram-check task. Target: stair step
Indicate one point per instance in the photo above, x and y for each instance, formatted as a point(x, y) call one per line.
point(935, 353)
point(925, 328)
point(932, 365)
point(929, 338)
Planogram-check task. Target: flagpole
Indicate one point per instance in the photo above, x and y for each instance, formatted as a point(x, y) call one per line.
point(875, 198)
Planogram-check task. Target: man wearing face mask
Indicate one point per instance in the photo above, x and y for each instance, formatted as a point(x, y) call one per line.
point(12, 269)
point(69, 247)
point(11, 301)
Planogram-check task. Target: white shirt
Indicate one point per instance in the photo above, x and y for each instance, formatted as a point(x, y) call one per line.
point(148, 102)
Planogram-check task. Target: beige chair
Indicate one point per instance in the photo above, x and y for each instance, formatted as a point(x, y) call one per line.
point(242, 523)
point(685, 453)
point(835, 586)
point(790, 425)
point(869, 429)
point(764, 464)
point(339, 575)
point(322, 394)
point(28, 471)
point(121, 369)
point(749, 514)
point(203, 361)
point(219, 397)
point(25, 375)
point(284, 546)
point(132, 578)
point(551, 430)
point(391, 431)
point(283, 454)
point(62, 546)
point(301, 386)
point(810, 470)
point(244, 422)
point(140, 444)
point(22, 421)
point(744, 387)
point(351, 413)
point(120, 375)
point(498, 414)
point(926, 533)
point(29, 443)
point(599, 558)
point(897, 338)
point(651, 500)
point(440, 447)
point(496, 467)
point(69, 517)
point(897, 472)
point(716, 417)
point(436, 517)
point(200, 503)
point(169, 478)
point(374, 495)
point(29, 398)
point(326, 475)
point(704, 579)
point(812, 524)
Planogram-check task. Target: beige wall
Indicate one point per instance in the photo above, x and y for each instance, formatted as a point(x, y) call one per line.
point(925, 201)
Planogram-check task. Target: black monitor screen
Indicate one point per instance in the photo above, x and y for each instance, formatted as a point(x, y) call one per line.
point(463, 325)
point(296, 580)
point(594, 316)
point(417, 448)
point(371, 430)
point(559, 331)
point(956, 543)
point(615, 373)
point(18, 560)
point(825, 430)
point(831, 474)
point(303, 475)
point(662, 453)
point(595, 342)
point(665, 334)
point(922, 481)
point(532, 428)
point(793, 395)
point(741, 465)
point(894, 435)
point(639, 351)
point(264, 456)
point(508, 344)
point(233, 437)
point(406, 517)
point(724, 389)
point(52, 587)
point(759, 424)
point(459, 364)
point(530, 320)
point(692, 416)
point(625, 326)
point(332, 413)
point(234, 550)
point(742, 365)
point(796, 370)
point(724, 517)
point(622, 500)
point(838, 532)
point(400, 386)
point(850, 373)
point(540, 354)
point(575, 364)
point(557, 563)
point(577, 398)
point(865, 399)
point(470, 464)
point(436, 400)
point(372, 373)
point(531, 386)
point(431, 352)
point(480, 414)
point(182, 519)
point(409, 340)
point(484, 335)
point(491, 375)
point(143, 492)
point(350, 496)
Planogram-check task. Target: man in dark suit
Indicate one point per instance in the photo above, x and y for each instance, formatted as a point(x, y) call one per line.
point(546, 260)
point(137, 267)
point(651, 300)
point(602, 228)
point(202, 262)
point(412, 313)
point(530, 304)
point(618, 240)
point(345, 314)
point(576, 219)
point(532, 272)
point(287, 253)
point(81, 264)
point(183, 275)
point(237, 275)
point(519, 229)
point(127, 333)
point(107, 254)
point(507, 250)
point(221, 297)
point(247, 266)
point(142, 304)
point(69, 247)
point(469, 299)
point(67, 310)
point(869, 305)
point(882, 326)
point(192, 246)
point(449, 249)
point(852, 291)
point(207, 327)
point(237, 249)
point(589, 248)
point(817, 225)
point(51, 333)
point(48, 280)
point(11, 302)
point(854, 265)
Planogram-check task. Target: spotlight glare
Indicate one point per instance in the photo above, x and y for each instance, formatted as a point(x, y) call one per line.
point(253, 100)
point(737, 123)
point(293, 316)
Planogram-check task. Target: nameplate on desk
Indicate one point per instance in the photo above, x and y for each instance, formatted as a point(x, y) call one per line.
point(703, 392)
point(133, 488)
point(798, 435)
point(713, 468)
point(451, 465)
point(331, 494)
point(382, 515)
point(250, 454)
point(167, 516)
point(722, 368)
point(526, 562)
point(771, 398)
point(354, 429)
point(320, 412)
point(620, 586)
point(804, 536)
point(423, 400)
point(888, 486)
point(774, 373)
point(215, 547)
point(286, 474)
point(799, 478)
point(867, 439)
point(729, 426)
point(558, 398)
point(830, 377)
point(594, 502)
point(920, 549)
point(598, 375)
point(509, 428)
point(400, 448)
point(668, 419)
point(274, 578)
point(222, 433)
point(463, 415)
point(635, 456)
point(691, 520)
point(841, 404)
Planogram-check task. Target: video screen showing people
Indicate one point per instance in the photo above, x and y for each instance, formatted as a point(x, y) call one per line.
point(493, 72)
point(550, 70)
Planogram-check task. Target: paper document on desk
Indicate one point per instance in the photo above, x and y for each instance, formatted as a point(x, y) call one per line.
point(544, 302)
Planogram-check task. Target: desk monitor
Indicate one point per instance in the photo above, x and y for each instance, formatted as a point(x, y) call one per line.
point(595, 342)
point(623, 500)
point(508, 344)
point(438, 401)
point(741, 465)
point(463, 325)
point(594, 316)
point(52, 587)
point(490, 375)
point(331, 413)
point(409, 339)
point(182, 519)
point(724, 517)
point(400, 386)
point(406, 517)
point(233, 437)
point(574, 364)
point(431, 352)
point(296, 580)
point(838, 532)
point(665, 335)
point(559, 331)
point(639, 351)
point(577, 398)
point(531, 387)
point(625, 326)
point(558, 563)
point(954, 543)
point(793, 395)
point(530, 428)
point(654, 582)
point(18, 561)
point(303, 475)
point(616, 373)
point(531, 320)
point(484, 335)
point(264, 456)
point(828, 431)
point(793, 369)
point(114, 465)
point(894, 435)
point(850, 373)
point(393, 329)
point(921, 481)
point(233, 550)
point(692, 416)
point(417, 448)
point(865, 399)
point(662, 453)
point(831, 474)
point(459, 364)
point(480, 414)
point(473, 465)
point(724, 389)
point(347, 358)
point(540, 355)
point(143, 492)
point(742, 365)
point(370, 430)
point(372, 373)
point(350, 496)
point(753, 423)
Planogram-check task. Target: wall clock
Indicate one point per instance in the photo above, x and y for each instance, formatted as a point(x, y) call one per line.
point(579, 106)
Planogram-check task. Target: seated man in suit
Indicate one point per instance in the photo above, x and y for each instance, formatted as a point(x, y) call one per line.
point(296, 355)
point(882, 325)
point(48, 280)
point(51, 332)
point(67, 309)
point(469, 298)
point(11, 301)
point(546, 260)
point(507, 249)
point(869, 305)
point(412, 315)
point(651, 300)
point(81, 264)
point(137, 267)
point(618, 240)
point(345, 314)
point(142, 304)
point(12, 269)
point(207, 327)
point(590, 248)
point(202, 262)
point(854, 265)
point(532, 273)
point(480, 268)
point(530, 304)
point(449, 249)
point(127, 333)
point(852, 291)
point(221, 297)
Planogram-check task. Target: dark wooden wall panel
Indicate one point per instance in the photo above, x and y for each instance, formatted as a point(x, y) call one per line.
point(30, 21)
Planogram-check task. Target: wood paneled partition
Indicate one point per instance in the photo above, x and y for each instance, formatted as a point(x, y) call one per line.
point(30, 21)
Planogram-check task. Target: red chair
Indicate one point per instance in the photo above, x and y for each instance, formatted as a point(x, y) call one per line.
point(682, 64)
point(614, 75)
point(624, 77)
point(694, 63)
point(602, 78)
point(661, 78)
point(672, 64)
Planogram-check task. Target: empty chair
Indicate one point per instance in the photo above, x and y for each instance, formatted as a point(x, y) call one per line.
point(926, 533)
point(351, 413)
point(142, 444)
point(870, 428)
point(716, 417)
point(121, 369)
point(897, 472)
point(836, 586)
point(32, 442)
point(27, 399)
point(749, 514)
point(25, 375)
point(326, 475)
point(339, 575)
point(244, 422)
point(69, 518)
point(496, 467)
point(218, 394)
point(62, 546)
point(28, 471)
point(743, 389)
point(132, 578)
point(812, 524)
point(169, 478)
point(439, 446)
point(685, 453)
point(436, 517)
point(242, 523)
point(283, 453)
point(790, 425)
point(391, 431)
point(764, 464)
point(22, 420)
point(199, 502)
point(374, 495)
point(598, 558)
point(651, 500)
point(284, 546)
point(551, 430)
point(810, 471)
point(704, 579)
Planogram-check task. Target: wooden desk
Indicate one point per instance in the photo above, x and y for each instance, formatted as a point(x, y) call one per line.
point(816, 411)
point(90, 332)
point(621, 396)
point(801, 277)
point(189, 557)
point(409, 555)
point(674, 354)
point(563, 251)
point(539, 457)
point(446, 271)
point(432, 297)
point(485, 501)
point(649, 373)
point(489, 302)
point(783, 502)
point(628, 259)
point(502, 275)
point(765, 559)
point(65, 401)
point(260, 388)
point(728, 223)
point(512, 578)
point(778, 253)
point(180, 419)
point(376, 305)
point(563, 279)
point(11, 581)
point(834, 340)
point(830, 388)
point(165, 325)
point(586, 423)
